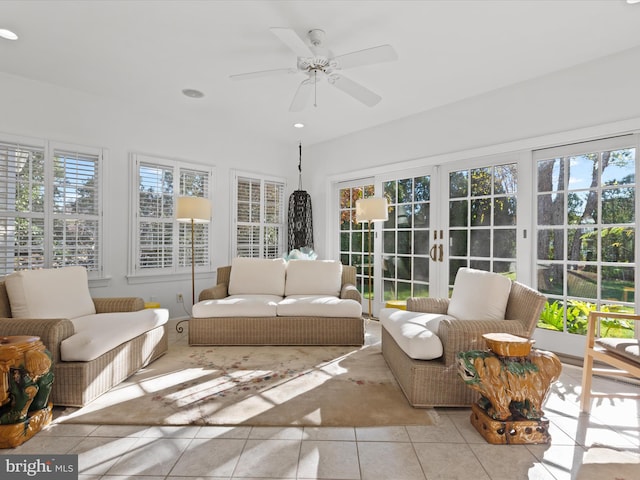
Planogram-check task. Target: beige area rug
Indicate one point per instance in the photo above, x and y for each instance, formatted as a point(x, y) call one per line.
point(273, 386)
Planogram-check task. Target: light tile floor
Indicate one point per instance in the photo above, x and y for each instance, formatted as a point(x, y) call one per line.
point(451, 449)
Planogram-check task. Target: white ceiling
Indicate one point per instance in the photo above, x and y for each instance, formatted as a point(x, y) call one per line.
point(145, 52)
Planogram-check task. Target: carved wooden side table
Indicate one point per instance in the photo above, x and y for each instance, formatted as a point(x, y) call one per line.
point(513, 381)
point(25, 383)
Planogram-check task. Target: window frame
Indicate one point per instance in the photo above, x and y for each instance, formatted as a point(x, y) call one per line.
point(50, 149)
point(178, 265)
point(261, 224)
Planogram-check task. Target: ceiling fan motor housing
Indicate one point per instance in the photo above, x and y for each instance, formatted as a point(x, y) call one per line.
point(316, 36)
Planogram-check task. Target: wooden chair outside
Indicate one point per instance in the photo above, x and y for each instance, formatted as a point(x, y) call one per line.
point(623, 357)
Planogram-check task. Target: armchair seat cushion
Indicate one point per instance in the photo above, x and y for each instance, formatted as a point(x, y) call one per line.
point(237, 306)
point(627, 347)
point(414, 332)
point(318, 306)
point(99, 333)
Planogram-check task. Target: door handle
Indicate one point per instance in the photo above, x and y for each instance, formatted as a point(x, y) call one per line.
point(441, 249)
point(432, 252)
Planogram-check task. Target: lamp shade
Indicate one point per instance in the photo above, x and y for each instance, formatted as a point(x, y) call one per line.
point(372, 209)
point(197, 209)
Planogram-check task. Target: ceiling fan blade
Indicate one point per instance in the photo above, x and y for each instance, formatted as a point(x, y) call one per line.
point(369, 56)
point(262, 73)
point(293, 41)
point(301, 98)
point(357, 91)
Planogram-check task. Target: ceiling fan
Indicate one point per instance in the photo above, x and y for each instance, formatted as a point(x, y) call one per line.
point(317, 63)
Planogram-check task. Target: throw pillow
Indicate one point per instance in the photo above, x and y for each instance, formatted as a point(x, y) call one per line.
point(313, 277)
point(479, 295)
point(257, 276)
point(50, 293)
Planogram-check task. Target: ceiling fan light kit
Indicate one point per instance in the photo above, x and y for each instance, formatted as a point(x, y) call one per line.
point(317, 62)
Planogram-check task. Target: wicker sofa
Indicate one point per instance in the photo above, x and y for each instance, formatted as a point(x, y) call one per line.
point(300, 302)
point(435, 382)
point(78, 382)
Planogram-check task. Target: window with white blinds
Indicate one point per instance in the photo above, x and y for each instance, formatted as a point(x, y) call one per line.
point(162, 244)
point(50, 207)
point(260, 217)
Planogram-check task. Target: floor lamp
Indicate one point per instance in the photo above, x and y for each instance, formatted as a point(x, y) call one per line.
point(194, 210)
point(372, 209)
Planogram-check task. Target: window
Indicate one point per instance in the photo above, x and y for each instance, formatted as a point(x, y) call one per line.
point(586, 233)
point(162, 245)
point(260, 229)
point(482, 219)
point(354, 249)
point(406, 238)
point(50, 206)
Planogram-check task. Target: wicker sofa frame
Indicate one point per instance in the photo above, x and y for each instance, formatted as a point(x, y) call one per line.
point(436, 383)
point(78, 383)
point(277, 330)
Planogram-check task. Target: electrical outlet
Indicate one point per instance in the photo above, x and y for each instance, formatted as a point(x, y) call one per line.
point(179, 298)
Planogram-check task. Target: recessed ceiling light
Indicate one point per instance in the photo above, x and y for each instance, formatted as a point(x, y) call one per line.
point(298, 125)
point(631, 2)
point(8, 34)
point(191, 93)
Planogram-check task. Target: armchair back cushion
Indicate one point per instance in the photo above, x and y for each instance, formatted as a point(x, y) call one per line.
point(257, 276)
point(479, 295)
point(50, 293)
point(313, 277)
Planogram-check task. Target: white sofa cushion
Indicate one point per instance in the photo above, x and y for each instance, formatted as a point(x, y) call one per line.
point(98, 333)
point(50, 293)
point(237, 306)
point(257, 276)
point(313, 277)
point(318, 306)
point(479, 295)
point(414, 332)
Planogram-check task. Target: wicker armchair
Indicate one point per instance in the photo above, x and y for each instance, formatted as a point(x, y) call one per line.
point(436, 383)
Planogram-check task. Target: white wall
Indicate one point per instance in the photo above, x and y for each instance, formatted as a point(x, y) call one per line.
point(567, 106)
point(579, 102)
point(39, 110)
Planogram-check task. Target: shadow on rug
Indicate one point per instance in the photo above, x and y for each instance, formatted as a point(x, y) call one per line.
point(273, 386)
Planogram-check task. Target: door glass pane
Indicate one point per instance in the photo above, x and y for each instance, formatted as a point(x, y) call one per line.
point(586, 250)
point(479, 217)
point(353, 236)
point(406, 237)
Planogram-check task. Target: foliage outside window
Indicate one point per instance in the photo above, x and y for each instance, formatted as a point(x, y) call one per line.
point(586, 237)
point(405, 250)
point(260, 230)
point(162, 244)
point(482, 219)
point(50, 207)
point(353, 237)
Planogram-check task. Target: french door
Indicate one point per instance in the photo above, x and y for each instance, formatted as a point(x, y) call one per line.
point(586, 249)
point(561, 220)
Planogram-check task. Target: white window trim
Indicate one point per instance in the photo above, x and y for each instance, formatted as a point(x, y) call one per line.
point(234, 175)
point(169, 274)
point(96, 277)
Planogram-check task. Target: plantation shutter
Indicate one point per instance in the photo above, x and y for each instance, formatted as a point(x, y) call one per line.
point(76, 210)
point(155, 225)
point(260, 222)
point(194, 183)
point(22, 198)
point(163, 245)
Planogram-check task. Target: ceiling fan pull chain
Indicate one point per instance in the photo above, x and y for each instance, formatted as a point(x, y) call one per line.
point(315, 88)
